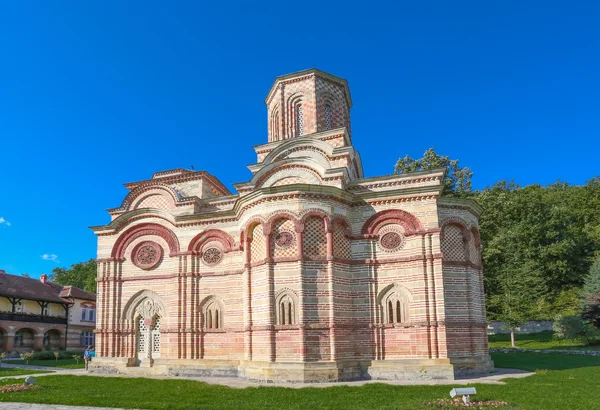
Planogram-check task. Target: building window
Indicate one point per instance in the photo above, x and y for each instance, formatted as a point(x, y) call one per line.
point(213, 316)
point(299, 120)
point(88, 313)
point(395, 303)
point(286, 308)
point(328, 117)
point(87, 338)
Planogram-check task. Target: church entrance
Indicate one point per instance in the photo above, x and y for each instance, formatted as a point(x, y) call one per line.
point(148, 340)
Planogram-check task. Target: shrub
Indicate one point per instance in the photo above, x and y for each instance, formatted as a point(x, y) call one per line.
point(574, 327)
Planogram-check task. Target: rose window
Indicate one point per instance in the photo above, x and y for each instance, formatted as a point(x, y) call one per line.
point(284, 239)
point(147, 255)
point(391, 241)
point(212, 256)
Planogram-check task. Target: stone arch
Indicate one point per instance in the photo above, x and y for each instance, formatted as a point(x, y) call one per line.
point(394, 302)
point(274, 123)
point(137, 195)
point(144, 229)
point(146, 304)
point(212, 311)
point(293, 171)
point(211, 235)
point(25, 337)
point(408, 221)
point(281, 214)
point(286, 307)
point(293, 102)
point(338, 219)
point(52, 339)
point(320, 148)
point(283, 228)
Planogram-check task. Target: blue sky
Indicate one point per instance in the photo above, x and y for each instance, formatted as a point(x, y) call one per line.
point(98, 93)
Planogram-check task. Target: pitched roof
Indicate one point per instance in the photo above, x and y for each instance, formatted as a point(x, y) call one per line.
point(33, 289)
point(71, 291)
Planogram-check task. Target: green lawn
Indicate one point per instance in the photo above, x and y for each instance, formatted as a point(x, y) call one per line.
point(5, 371)
point(63, 363)
point(542, 340)
point(561, 382)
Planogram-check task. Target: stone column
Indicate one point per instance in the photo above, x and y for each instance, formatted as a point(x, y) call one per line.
point(301, 325)
point(10, 342)
point(248, 298)
point(38, 341)
point(271, 280)
point(330, 277)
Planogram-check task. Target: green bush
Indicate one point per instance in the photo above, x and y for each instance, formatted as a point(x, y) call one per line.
point(574, 327)
point(63, 354)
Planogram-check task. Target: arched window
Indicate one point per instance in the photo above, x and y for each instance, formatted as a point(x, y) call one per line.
point(395, 302)
point(299, 120)
point(286, 308)
point(328, 117)
point(213, 314)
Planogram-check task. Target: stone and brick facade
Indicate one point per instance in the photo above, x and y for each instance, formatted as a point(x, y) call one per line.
point(39, 314)
point(310, 272)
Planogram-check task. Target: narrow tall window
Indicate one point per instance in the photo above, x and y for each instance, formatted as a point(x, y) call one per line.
point(328, 117)
point(398, 312)
point(390, 312)
point(299, 120)
point(209, 319)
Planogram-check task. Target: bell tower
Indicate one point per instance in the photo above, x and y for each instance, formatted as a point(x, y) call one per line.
point(307, 102)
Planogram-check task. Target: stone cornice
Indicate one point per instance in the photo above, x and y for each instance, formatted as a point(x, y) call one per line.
point(182, 175)
point(461, 203)
point(306, 74)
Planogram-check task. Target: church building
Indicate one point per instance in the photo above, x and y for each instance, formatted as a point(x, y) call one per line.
point(309, 272)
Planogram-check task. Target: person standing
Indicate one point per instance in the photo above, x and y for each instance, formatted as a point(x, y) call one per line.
point(87, 356)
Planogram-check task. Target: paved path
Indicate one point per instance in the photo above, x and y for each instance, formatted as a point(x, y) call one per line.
point(29, 406)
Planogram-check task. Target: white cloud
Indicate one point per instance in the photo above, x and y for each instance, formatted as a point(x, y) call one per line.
point(4, 221)
point(50, 257)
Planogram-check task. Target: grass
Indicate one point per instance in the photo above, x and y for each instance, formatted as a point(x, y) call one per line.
point(5, 371)
point(63, 363)
point(561, 382)
point(541, 340)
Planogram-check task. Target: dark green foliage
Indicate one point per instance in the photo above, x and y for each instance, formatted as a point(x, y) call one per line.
point(82, 275)
point(457, 181)
point(49, 355)
point(540, 236)
point(591, 286)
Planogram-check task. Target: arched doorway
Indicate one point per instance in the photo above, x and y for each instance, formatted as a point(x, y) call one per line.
point(52, 339)
point(24, 339)
point(148, 340)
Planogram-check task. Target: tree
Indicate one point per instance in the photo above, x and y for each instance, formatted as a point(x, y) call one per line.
point(457, 181)
point(517, 287)
point(81, 275)
point(591, 289)
point(551, 228)
point(591, 286)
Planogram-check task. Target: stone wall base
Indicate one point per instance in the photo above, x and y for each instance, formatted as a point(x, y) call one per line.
point(316, 372)
point(472, 366)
